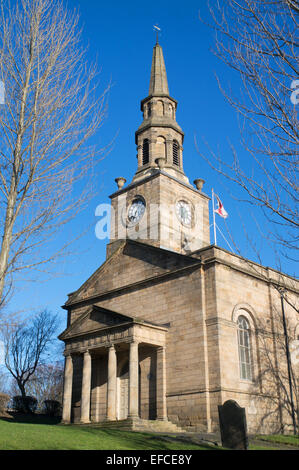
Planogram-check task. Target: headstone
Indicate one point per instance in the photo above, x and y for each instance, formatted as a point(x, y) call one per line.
point(233, 428)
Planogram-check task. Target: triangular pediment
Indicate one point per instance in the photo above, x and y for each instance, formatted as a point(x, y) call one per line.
point(131, 263)
point(95, 319)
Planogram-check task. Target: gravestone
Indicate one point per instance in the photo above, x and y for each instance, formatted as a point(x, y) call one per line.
point(233, 428)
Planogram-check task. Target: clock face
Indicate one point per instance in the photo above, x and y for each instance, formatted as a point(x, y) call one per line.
point(184, 212)
point(136, 211)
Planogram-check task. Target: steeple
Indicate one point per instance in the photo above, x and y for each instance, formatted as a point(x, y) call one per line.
point(158, 83)
point(159, 138)
point(159, 207)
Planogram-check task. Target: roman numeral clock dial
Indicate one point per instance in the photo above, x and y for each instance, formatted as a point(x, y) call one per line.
point(136, 211)
point(184, 213)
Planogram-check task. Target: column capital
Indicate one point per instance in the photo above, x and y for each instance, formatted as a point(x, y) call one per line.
point(67, 354)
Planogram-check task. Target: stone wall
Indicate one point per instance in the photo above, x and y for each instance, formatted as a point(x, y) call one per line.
point(200, 306)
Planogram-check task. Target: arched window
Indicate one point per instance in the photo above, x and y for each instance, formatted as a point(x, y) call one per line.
point(160, 147)
point(160, 108)
point(175, 153)
point(145, 152)
point(244, 349)
point(149, 110)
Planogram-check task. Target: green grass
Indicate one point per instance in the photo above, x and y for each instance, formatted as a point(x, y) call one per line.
point(42, 433)
point(280, 439)
point(38, 433)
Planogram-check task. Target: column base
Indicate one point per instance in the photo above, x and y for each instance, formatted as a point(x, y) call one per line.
point(85, 421)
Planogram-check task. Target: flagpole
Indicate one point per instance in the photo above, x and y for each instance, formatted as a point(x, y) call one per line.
point(214, 223)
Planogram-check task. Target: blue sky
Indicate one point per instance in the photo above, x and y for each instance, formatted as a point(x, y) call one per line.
point(120, 35)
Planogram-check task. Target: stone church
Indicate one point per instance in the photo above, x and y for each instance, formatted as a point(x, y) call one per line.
point(171, 326)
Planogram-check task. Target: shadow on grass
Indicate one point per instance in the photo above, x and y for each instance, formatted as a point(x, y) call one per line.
point(30, 418)
point(54, 436)
point(140, 439)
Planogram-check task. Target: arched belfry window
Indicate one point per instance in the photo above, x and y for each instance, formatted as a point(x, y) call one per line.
point(175, 153)
point(160, 108)
point(145, 152)
point(245, 356)
point(160, 147)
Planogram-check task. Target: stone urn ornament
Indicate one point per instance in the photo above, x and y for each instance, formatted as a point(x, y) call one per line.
point(199, 182)
point(161, 162)
point(120, 182)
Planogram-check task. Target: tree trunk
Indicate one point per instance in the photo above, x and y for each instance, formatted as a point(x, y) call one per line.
point(26, 408)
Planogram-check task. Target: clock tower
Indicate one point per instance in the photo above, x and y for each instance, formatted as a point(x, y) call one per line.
point(160, 207)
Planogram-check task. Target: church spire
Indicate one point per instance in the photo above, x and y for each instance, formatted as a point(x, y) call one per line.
point(159, 138)
point(158, 83)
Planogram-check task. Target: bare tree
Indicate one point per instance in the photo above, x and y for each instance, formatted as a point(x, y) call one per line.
point(25, 346)
point(278, 371)
point(51, 108)
point(258, 40)
point(46, 383)
point(3, 381)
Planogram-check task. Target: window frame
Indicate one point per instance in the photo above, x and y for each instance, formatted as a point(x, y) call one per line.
point(245, 349)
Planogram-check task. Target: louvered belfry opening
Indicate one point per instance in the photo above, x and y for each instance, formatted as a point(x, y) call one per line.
point(175, 153)
point(145, 152)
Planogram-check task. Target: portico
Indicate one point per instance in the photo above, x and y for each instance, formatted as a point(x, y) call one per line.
point(119, 345)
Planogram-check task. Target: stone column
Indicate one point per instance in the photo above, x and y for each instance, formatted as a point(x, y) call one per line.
point(67, 389)
point(161, 385)
point(86, 387)
point(133, 381)
point(111, 385)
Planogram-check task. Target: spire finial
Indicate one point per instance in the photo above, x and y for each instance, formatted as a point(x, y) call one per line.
point(157, 30)
point(158, 82)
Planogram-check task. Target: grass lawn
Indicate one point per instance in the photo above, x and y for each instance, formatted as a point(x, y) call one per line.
point(281, 439)
point(40, 433)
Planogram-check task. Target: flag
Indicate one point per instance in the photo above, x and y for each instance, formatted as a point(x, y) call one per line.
point(220, 209)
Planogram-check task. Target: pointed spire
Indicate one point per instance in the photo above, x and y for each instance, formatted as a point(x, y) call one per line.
point(158, 82)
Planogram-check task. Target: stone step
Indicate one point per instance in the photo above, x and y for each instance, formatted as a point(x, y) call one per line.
point(141, 425)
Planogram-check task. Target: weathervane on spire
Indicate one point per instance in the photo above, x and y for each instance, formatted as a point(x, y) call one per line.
point(157, 30)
